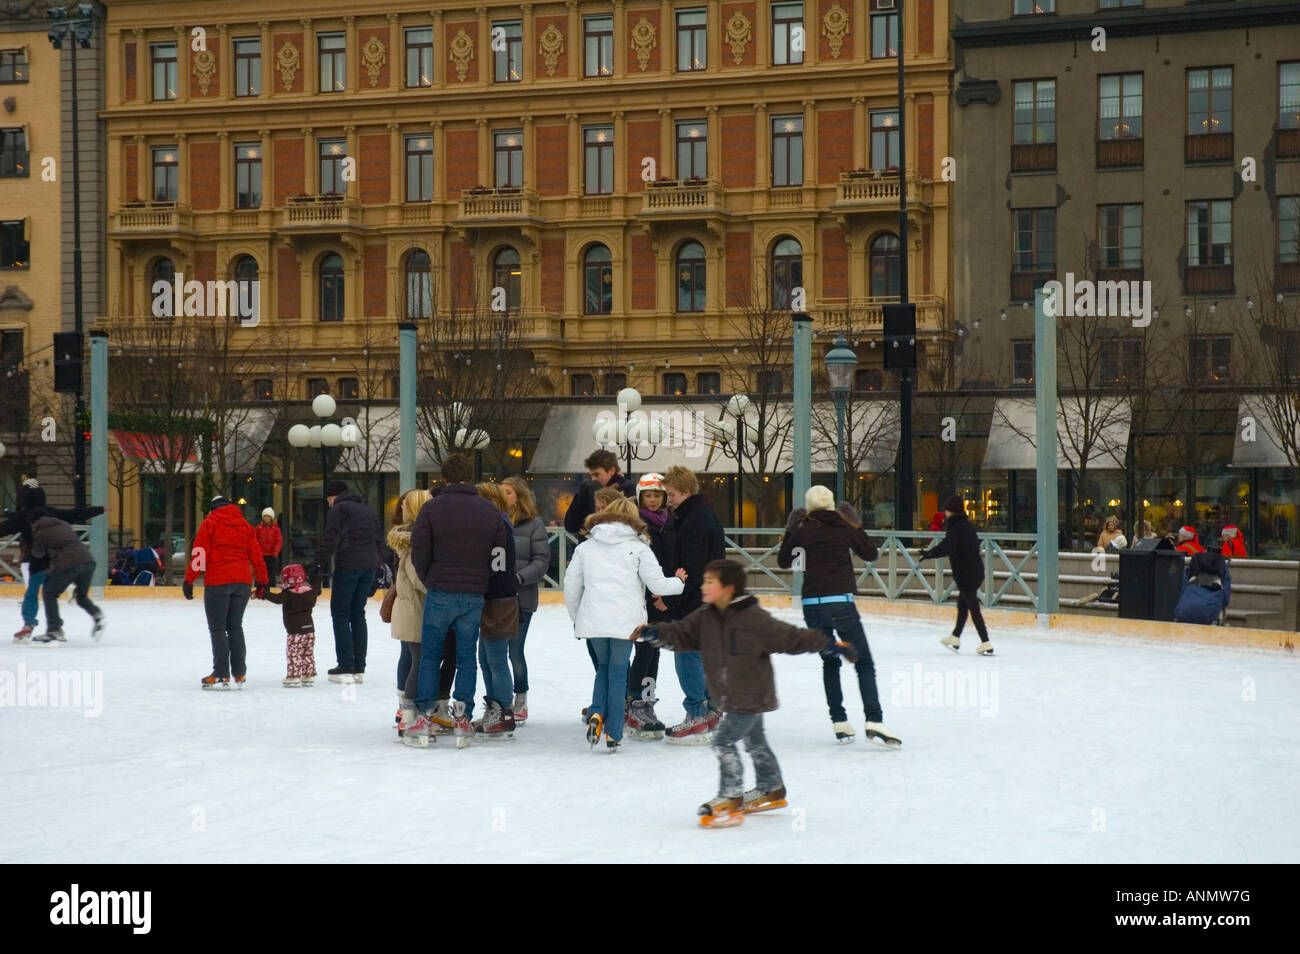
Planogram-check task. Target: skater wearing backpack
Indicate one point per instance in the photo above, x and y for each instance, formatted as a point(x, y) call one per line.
point(604, 592)
point(827, 537)
point(298, 597)
point(735, 638)
point(652, 502)
point(961, 545)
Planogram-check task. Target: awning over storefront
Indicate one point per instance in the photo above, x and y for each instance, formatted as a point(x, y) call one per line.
point(690, 441)
point(245, 431)
point(380, 447)
point(1256, 442)
point(150, 451)
point(1013, 434)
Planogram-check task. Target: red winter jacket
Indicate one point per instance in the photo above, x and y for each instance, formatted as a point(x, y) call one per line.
point(227, 548)
point(268, 538)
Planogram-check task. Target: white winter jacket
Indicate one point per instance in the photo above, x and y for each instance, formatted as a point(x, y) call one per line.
point(605, 582)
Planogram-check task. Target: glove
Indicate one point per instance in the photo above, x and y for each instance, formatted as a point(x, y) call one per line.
point(260, 592)
point(796, 517)
point(837, 647)
point(188, 589)
point(648, 634)
point(923, 555)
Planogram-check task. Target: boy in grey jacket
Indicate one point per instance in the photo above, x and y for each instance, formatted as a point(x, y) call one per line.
point(71, 564)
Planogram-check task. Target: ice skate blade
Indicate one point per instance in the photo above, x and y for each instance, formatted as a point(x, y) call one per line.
point(416, 741)
point(729, 820)
point(495, 736)
point(697, 739)
point(886, 742)
point(764, 807)
point(845, 739)
point(462, 742)
point(344, 678)
point(648, 736)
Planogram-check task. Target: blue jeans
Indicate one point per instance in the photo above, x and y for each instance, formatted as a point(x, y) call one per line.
point(517, 661)
point(841, 620)
point(613, 656)
point(442, 611)
point(32, 597)
point(348, 608)
point(494, 658)
point(690, 673)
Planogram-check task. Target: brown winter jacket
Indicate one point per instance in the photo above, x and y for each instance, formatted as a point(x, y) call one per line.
point(734, 645)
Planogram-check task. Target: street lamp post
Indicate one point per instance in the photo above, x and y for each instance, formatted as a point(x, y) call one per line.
point(737, 405)
point(841, 362)
point(80, 25)
point(462, 438)
point(324, 436)
point(630, 428)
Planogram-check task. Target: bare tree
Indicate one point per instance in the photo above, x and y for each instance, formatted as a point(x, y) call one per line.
point(1270, 348)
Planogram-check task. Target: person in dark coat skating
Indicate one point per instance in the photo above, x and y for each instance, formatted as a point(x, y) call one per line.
point(352, 539)
point(70, 564)
point(961, 545)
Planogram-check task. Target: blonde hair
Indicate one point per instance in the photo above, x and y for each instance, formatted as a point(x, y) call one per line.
point(525, 507)
point(622, 510)
point(413, 502)
point(606, 496)
point(682, 479)
point(493, 493)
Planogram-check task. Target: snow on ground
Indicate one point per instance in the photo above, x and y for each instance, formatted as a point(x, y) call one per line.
point(1061, 748)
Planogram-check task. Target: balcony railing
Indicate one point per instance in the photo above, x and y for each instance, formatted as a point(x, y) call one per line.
point(868, 314)
point(153, 217)
point(1203, 279)
point(874, 190)
point(681, 197)
point(1119, 152)
point(420, 214)
point(504, 203)
point(1033, 157)
point(1288, 143)
point(1024, 284)
point(321, 211)
point(1208, 147)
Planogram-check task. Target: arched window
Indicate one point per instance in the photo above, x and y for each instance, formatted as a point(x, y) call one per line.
point(160, 301)
point(597, 281)
point(690, 277)
point(244, 269)
point(886, 281)
point(506, 274)
point(419, 290)
point(787, 271)
point(331, 287)
point(243, 303)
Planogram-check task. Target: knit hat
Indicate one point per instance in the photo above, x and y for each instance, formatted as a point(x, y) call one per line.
point(220, 500)
point(268, 512)
point(818, 498)
point(1186, 533)
point(954, 504)
point(649, 482)
point(335, 488)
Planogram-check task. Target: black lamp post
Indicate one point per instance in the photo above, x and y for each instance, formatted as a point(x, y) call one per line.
point(79, 24)
point(841, 362)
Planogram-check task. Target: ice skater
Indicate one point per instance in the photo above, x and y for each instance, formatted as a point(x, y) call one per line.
point(961, 545)
point(71, 564)
point(735, 638)
point(297, 597)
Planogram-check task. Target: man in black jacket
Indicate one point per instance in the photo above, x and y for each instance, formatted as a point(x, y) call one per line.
point(351, 540)
point(961, 545)
point(457, 538)
point(71, 564)
point(699, 541)
point(602, 471)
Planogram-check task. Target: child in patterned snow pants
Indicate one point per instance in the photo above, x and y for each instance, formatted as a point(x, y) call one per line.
point(298, 597)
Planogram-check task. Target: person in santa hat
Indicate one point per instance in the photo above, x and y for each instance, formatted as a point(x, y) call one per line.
point(1188, 542)
point(1234, 545)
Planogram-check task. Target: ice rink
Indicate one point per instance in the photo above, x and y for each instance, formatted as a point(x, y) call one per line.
point(1061, 748)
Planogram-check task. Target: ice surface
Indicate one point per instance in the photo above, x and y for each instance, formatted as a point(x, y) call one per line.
point(1060, 748)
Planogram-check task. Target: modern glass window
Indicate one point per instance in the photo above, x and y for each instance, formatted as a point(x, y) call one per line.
point(1288, 356)
point(1023, 8)
point(598, 46)
point(419, 57)
point(331, 287)
point(419, 168)
point(507, 274)
point(788, 39)
point(508, 159)
point(316, 387)
point(868, 379)
point(248, 66)
point(597, 281)
point(263, 389)
point(166, 173)
point(331, 153)
point(692, 40)
point(1288, 229)
point(1119, 235)
point(886, 270)
point(692, 150)
point(333, 51)
point(598, 160)
point(691, 275)
point(349, 389)
point(1288, 95)
point(1022, 362)
point(13, 153)
point(1119, 106)
point(1035, 240)
point(884, 30)
point(162, 56)
point(708, 382)
point(1121, 360)
point(884, 139)
point(248, 175)
point(508, 62)
point(582, 385)
point(1210, 357)
point(419, 288)
point(13, 66)
point(1035, 111)
point(787, 271)
point(674, 383)
point(787, 151)
point(1209, 232)
point(1209, 101)
point(15, 251)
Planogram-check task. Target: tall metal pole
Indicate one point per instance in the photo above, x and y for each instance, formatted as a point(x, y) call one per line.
point(839, 447)
point(79, 439)
point(406, 414)
point(802, 423)
point(99, 453)
point(740, 469)
point(905, 480)
point(1045, 460)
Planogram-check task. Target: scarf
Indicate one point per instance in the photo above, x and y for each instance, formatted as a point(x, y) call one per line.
point(655, 518)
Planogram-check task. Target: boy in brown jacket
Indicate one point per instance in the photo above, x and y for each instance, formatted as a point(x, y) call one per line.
point(735, 637)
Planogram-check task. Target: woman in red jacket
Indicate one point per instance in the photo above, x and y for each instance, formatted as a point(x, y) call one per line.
point(269, 541)
point(226, 554)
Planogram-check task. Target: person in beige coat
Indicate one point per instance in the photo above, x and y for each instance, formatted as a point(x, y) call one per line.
point(408, 606)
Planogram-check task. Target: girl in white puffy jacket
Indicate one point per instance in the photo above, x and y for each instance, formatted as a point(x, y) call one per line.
point(604, 591)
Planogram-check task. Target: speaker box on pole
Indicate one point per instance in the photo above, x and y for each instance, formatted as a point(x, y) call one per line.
point(900, 337)
point(67, 362)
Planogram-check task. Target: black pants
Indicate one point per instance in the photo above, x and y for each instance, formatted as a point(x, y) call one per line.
point(225, 606)
point(968, 601)
point(272, 562)
point(841, 621)
point(79, 578)
point(446, 669)
point(645, 665)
